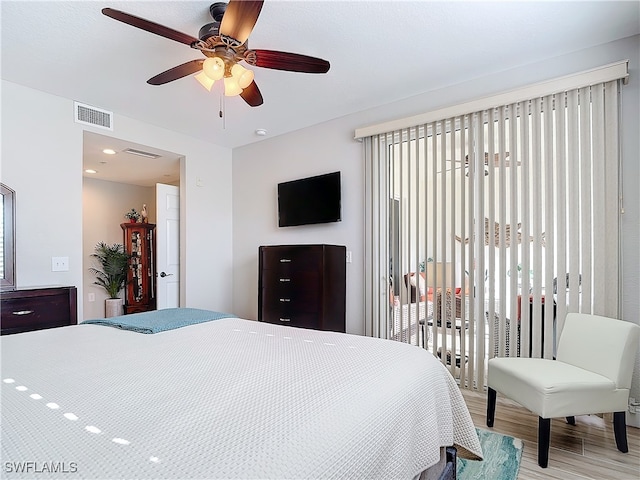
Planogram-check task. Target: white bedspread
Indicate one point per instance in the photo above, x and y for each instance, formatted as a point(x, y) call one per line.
point(225, 399)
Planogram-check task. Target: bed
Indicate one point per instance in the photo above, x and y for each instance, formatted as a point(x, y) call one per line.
point(225, 398)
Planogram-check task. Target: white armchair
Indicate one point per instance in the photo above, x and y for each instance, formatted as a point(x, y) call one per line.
point(591, 374)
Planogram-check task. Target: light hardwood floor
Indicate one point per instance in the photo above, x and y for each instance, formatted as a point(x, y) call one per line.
point(584, 451)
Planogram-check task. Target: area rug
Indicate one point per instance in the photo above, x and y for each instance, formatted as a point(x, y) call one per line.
point(502, 455)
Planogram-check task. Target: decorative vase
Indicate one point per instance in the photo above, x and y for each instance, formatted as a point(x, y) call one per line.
point(113, 307)
point(132, 220)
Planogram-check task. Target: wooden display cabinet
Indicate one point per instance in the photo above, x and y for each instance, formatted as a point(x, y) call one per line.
point(140, 289)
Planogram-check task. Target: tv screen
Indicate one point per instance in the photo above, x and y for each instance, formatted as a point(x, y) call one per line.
point(309, 200)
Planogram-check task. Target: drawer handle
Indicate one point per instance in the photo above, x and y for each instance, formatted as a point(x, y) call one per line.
point(285, 279)
point(285, 260)
point(285, 300)
point(23, 312)
point(285, 319)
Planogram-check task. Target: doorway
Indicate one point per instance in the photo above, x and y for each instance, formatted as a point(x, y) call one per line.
point(122, 180)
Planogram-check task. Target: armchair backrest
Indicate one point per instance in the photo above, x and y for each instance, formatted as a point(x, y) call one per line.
point(600, 344)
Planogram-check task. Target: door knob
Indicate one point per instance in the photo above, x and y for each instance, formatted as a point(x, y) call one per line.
point(162, 274)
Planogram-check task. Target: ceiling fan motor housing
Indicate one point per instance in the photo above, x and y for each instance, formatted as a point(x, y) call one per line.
point(209, 30)
point(213, 29)
point(217, 11)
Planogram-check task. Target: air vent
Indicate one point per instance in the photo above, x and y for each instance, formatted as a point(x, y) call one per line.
point(141, 153)
point(88, 115)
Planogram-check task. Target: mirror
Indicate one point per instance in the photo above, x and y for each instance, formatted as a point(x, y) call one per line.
point(7, 238)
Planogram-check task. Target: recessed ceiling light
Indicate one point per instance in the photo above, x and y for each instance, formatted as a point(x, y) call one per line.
point(90, 170)
point(109, 151)
point(261, 132)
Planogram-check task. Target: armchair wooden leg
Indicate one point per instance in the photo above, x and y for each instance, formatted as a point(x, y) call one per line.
point(620, 431)
point(571, 420)
point(491, 406)
point(544, 433)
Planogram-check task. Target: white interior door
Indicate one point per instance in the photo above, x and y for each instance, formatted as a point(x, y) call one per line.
point(167, 246)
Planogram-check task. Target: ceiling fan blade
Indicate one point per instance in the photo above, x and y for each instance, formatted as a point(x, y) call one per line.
point(252, 95)
point(149, 26)
point(176, 72)
point(291, 62)
point(239, 19)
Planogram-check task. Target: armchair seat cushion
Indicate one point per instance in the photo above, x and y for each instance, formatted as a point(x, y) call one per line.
point(551, 388)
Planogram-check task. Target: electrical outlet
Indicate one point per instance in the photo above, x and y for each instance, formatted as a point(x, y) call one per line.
point(634, 406)
point(91, 297)
point(349, 256)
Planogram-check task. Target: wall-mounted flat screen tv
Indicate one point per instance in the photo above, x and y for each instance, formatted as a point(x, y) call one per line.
point(309, 200)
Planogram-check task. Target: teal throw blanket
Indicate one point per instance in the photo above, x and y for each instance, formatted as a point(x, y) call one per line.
point(160, 320)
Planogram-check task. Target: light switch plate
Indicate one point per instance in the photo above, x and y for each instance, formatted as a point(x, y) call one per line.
point(59, 264)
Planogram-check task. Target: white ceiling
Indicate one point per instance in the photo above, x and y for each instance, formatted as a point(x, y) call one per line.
point(125, 167)
point(379, 52)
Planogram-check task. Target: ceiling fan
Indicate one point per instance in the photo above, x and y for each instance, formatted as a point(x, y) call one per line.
point(496, 160)
point(496, 163)
point(224, 43)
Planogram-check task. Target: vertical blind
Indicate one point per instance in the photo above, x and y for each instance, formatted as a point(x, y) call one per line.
point(484, 229)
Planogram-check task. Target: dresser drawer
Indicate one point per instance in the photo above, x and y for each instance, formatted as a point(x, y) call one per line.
point(287, 259)
point(293, 319)
point(301, 300)
point(309, 280)
point(37, 309)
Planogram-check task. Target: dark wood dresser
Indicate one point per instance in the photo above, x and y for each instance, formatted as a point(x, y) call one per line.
point(29, 309)
point(303, 286)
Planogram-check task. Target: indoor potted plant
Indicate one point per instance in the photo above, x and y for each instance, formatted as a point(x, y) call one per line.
point(111, 275)
point(132, 215)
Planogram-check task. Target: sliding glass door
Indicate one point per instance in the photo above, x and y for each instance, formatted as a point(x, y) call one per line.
point(487, 228)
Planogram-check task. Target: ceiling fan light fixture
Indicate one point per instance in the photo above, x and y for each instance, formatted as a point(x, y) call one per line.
point(213, 67)
point(231, 87)
point(204, 80)
point(243, 76)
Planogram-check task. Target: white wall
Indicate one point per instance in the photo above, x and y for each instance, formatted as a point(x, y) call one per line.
point(42, 162)
point(104, 205)
point(257, 169)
